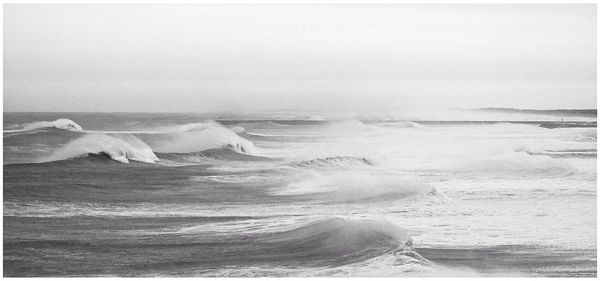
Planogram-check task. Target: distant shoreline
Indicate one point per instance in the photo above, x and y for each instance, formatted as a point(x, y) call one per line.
point(557, 112)
point(544, 124)
point(589, 112)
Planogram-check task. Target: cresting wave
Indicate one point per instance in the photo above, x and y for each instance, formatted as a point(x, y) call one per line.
point(347, 126)
point(563, 153)
point(63, 124)
point(120, 148)
point(333, 162)
point(345, 241)
point(135, 146)
point(407, 124)
point(197, 137)
point(333, 246)
point(588, 135)
point(210, 156)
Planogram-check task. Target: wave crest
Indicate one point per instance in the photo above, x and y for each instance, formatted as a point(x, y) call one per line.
point(197, 137)
point(350, 240)
point(238, 129)
point(408, 124)
point(330, 241)
point(346, 126)
point(588, 135)
point(122, 148)
point(332, 162)
point(63, 124)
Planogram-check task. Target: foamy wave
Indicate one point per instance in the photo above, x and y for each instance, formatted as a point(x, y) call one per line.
point(197, 137)
point(588, 135)
point(238, 129)
point(353, 186)
point(332, 162)
point(122, 148)
point(63, 124)
point(347, 126)
point(527, 149)
point(518, 163)
point(560, 153)
point(408, 124)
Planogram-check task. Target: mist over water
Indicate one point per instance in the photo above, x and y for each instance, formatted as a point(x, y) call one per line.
point(276, 140)
point(218, 195)
point(256, 58)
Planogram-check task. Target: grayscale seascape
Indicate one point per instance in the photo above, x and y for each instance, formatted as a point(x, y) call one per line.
point(235, 174)
point(296, 197)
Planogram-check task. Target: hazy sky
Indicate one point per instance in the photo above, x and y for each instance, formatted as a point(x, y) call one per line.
point(205, 58)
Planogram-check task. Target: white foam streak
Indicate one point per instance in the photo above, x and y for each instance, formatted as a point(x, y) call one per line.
point(353, 186)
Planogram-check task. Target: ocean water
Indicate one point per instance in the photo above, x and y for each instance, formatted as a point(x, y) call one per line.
point(90, 194)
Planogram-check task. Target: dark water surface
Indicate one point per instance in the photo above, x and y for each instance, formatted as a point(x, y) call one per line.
point(178, 194)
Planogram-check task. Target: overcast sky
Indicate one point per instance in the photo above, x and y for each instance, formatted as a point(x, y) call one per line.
point(206, 58)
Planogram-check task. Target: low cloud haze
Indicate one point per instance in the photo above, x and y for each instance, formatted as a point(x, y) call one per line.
point(252, 58)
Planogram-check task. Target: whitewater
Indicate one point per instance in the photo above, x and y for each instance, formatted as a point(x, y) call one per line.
point(202, 195)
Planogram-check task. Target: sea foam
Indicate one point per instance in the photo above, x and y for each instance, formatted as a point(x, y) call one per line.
point(353, 186)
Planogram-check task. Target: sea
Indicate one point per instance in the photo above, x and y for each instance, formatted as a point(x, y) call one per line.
point(225, 195)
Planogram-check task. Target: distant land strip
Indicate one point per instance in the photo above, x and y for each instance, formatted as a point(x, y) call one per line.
point(545, 124)
point(555, 112)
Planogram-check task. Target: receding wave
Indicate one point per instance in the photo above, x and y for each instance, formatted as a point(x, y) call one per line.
point(333, 162)
point(122, 148)
point(63, 124)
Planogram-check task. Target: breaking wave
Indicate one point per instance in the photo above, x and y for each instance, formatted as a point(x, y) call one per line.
point(322, 243)
point(588, 135)
point(197, 137)
point(238, 129)
point(337, 236)
point(561, 153)
point(122, 148)
point(336, 241)
point(347, 126)
point(224, 154)
point(63, 124)
point(333, 162)
point(408, 124)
